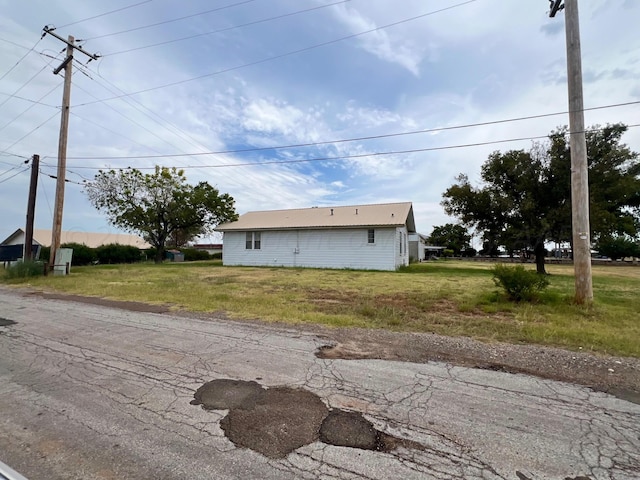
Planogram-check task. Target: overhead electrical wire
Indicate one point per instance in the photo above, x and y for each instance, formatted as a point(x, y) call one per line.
point(174, 129)
point(29, 100)
point(357, 139)
point(30, 132)
point(10, 170)
point(168, 21)
point(29, 107)
point(162, 122)
point(9, 97)
point(360, 155)
point(14, 175)
point(20, 60)
point(212, 32)
point(282, 55)
point(106, 13)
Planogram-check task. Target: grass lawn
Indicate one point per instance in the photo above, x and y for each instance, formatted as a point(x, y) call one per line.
point(446, 297)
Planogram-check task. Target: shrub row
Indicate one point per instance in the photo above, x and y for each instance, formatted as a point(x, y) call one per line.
point(111, 253)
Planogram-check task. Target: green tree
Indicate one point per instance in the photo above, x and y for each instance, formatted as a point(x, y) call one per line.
point(525, 198)
point(618, 247)
point(454, 237)
point(156, 205)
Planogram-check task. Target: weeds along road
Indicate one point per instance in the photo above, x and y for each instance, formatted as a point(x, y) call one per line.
point(90, 392)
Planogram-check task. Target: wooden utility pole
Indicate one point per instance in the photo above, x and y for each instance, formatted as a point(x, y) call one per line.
point(31, 208)
point(579, 168)
point(67, 65)
point(56, 230)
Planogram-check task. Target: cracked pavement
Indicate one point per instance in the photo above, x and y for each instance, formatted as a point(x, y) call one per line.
point(91, 392)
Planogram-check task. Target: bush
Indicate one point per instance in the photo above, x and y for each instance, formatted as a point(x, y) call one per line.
point(469, 252)
point(518, 282)
point(82, 255)
point(216, 256)
point(447, 252)
point(24, 270)
point(193, 254)
point(116, 253)
point(44, 253)
point(618, 247)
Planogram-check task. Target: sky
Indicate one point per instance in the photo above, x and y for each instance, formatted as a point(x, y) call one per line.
point(389, 93)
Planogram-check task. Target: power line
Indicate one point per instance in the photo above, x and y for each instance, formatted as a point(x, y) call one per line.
point(29, 107)
point(264, 20)
point(9, 97)
point(14, 175)
point(169, 21)
point(30, 132)
point(106, 13)
point(14, 43)
point(356, 139)
point(361, 155)
point(20, 60)
point(174, 129)
point(282, 55)
point(10, 170)
point(29, 100)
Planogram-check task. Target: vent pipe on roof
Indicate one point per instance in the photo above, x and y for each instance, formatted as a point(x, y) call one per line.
point(332, 211)
point(392, 214)
point(356, 211)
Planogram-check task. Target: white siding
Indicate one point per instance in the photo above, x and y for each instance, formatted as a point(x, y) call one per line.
point(328, 248)
point(402, 247)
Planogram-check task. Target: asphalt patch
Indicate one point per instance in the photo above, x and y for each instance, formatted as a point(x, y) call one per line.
point(5, 322)
point(278, 420)
point(227, 394)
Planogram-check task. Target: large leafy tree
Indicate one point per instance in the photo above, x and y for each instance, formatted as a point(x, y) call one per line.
point(159, 204)
point(454, 237)
point(525, 196)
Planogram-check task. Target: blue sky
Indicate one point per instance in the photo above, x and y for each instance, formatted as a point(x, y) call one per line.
point(443, 64)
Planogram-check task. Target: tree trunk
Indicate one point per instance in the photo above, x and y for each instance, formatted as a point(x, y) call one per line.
point(540, 254)
point(159, 255)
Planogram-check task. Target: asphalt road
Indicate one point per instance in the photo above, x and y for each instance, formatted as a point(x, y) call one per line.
point(90, 392)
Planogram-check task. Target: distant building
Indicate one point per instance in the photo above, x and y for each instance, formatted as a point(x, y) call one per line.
point(368, 237)
point(93, 240)
point(210, 248)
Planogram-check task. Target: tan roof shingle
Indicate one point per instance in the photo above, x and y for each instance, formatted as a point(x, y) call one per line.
point(386, 214)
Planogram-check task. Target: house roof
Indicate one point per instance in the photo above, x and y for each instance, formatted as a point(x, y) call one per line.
point(93, 240)
point(380, 215)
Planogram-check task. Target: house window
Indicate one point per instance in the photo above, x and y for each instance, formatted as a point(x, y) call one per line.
point(371, 236)
point(252, 241)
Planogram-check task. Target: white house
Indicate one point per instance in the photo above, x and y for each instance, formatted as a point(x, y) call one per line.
point(368, 237)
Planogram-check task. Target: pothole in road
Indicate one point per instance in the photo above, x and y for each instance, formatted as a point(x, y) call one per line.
point(276, 421)
point(5, 322)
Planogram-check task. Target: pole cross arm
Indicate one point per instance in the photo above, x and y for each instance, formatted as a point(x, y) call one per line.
point(51, 32)
point(63, 64)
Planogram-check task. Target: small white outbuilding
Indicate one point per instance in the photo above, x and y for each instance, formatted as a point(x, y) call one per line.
point(364, 237)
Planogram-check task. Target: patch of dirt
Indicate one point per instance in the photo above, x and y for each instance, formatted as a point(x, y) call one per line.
point(125, 305)
point(618, 376)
